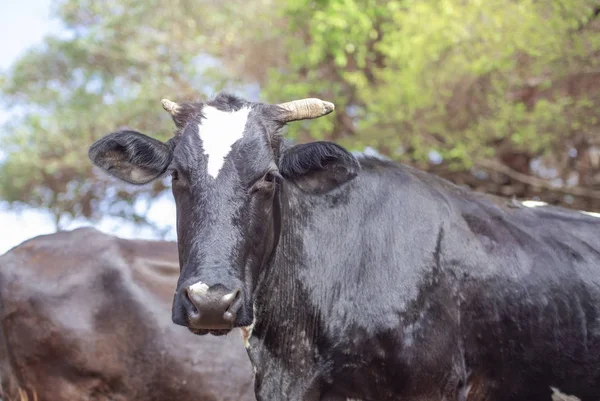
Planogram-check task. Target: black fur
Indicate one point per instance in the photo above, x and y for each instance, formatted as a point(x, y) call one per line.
point(318, 167)
point(382, 282)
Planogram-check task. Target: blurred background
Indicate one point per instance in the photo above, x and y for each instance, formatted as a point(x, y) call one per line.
point(500, 95)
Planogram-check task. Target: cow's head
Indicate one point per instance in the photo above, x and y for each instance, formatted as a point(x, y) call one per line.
point(228, 163)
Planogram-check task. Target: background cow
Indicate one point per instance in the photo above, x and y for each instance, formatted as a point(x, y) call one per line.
point(86, 316)
point(360, 278)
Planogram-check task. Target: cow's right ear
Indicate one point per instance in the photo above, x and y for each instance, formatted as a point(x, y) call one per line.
point(131, 156)
point(318, 167)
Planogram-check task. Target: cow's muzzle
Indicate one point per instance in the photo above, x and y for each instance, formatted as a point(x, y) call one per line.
point(208, 309)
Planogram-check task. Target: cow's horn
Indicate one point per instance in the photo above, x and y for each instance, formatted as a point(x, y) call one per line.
point(171, 107)
point(304, 109)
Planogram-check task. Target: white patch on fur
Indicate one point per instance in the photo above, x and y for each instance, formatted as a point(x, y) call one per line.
point(199, 288)
point(219, 130)
point(557, 395)
point(247, 331)
point(532, 203)
point(246, 334)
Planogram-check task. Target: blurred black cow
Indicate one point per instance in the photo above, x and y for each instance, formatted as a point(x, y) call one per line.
point(86, 316)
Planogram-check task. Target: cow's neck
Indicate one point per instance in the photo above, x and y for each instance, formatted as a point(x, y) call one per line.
point(346, 264)
point(369, 233)
point(292, 283)
point(287, 321)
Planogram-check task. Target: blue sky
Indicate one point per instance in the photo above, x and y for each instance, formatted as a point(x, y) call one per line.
point(23, 24)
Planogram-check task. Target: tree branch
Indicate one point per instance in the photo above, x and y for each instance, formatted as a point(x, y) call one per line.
point(537, 182)
point(594, 15)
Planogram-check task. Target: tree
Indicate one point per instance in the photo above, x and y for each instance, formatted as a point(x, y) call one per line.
point(110, 69)
point(498, 95)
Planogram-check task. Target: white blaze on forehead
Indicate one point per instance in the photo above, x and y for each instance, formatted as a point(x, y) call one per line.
point(219, 130)
point(532, 203)
point(199, 288)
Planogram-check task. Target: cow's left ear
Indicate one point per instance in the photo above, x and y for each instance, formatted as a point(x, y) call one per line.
point(318, 167)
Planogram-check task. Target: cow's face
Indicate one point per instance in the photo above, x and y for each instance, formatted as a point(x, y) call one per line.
point(227, 164)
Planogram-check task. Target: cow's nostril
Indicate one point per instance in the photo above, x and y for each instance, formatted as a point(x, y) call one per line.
point(231, 298)
point(211, 307)
point(189, 304)
point(233, 304)
point(229, 317)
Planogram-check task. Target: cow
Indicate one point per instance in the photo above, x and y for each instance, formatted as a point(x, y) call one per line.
point(86, 316)
point(355, 277)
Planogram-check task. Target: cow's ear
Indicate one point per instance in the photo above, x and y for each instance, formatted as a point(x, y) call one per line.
point(318, 167)
point(131, 156)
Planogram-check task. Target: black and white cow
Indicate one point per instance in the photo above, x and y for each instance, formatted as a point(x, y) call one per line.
point(358, 278)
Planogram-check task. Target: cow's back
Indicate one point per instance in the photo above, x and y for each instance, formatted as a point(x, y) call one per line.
point(87, 316)
point(527, 284)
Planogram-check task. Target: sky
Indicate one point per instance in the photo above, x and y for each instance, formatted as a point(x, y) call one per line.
point(23, 24)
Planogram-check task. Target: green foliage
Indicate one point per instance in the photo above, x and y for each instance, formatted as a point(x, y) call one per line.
point(469, 80)
point(110, 70)
point(441, 74)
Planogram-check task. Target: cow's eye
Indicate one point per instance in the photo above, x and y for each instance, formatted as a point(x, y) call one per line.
point(266, 182)
point(270, 176)
point(174, 175)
